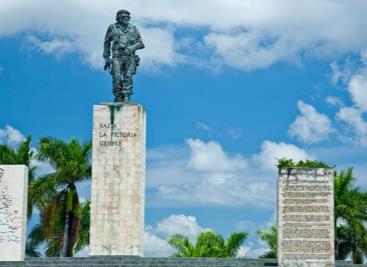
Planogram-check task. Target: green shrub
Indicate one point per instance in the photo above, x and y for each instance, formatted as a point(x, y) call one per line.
point(289, 163)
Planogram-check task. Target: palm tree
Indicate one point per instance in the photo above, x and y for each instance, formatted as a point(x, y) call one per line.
point(208, 244)
point(57, 197)
point(269, 236)
point(350, 207)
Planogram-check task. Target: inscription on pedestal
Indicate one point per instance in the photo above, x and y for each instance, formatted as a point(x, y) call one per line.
point(305, 217)
point(112, 135)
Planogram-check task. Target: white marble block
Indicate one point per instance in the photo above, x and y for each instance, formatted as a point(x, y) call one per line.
point(118, 179)
point(13, 211)
point(306, 217)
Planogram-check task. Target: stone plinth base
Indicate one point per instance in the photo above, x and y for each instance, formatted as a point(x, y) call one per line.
point(13, 211)
point(306, 217)
point(118, 180)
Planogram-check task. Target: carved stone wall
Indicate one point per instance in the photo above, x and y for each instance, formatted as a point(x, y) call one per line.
point(13, 211)
point(118, 180)
point(305, 217)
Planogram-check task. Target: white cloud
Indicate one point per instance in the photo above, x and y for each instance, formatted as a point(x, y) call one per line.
point(203, 174)
point(271, 151)
point(179, 224)
point(57, 46)
point(336, 73)
point(239, 33)
point(79, 26)
point(353, 117)
point(357, 88)
point(244, 50)
point(212, 177)
point(210, 157)
point(155, 238)
point(334, 101)
point(223, 189)
point(311, 126)
point(203, 126)
point(354, 73)
point(166, 153)
point(341, 73)
point(10, 136)
point(155, 246)
point(234, 133)
point(160, 47)
point(168, 165)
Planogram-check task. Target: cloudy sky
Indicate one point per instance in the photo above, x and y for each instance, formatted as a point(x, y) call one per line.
point(229, 86)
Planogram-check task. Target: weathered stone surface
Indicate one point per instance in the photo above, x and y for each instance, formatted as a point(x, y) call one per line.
point(118, 180)
point(13, 211)
point(305, 217)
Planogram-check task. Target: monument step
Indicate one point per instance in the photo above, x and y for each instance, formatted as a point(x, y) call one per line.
point(126, 261)
point(137, 262)
point(141, 264)
point(126, 265)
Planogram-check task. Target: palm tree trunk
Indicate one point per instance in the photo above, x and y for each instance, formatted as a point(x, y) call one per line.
point(336, 248)
point(68, 244)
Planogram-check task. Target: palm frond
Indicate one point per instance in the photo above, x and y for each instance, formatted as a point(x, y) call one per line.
point(182, 244)
point(83, 234)
point(234, 242)
point(270, 237)
point(35, 238)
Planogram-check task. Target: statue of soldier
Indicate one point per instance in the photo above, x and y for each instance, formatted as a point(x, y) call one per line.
point(125, 39)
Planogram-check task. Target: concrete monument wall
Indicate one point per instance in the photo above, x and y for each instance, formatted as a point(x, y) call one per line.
point(118, 179)
point(13, 211)
point(305, 217)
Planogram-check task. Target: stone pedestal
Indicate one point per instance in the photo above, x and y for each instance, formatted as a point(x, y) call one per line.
point(305, 217)
point(118, 179)
point(13, 211)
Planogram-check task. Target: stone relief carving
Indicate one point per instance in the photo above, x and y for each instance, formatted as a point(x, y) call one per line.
point(10, 220)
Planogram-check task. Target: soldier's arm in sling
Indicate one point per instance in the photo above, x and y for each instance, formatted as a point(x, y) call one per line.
point(138, 42)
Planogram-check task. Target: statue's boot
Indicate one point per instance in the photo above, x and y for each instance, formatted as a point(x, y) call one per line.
point(118, 93)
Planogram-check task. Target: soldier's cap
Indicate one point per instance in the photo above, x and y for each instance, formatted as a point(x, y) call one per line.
point(123, 12)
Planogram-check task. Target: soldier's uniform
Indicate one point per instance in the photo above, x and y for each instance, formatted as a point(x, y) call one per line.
point(122, 63)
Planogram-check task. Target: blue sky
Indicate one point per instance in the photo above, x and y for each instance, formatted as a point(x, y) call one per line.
point(228, 86)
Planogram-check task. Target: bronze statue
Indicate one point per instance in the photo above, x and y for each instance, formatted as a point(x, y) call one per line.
point(125, 40)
